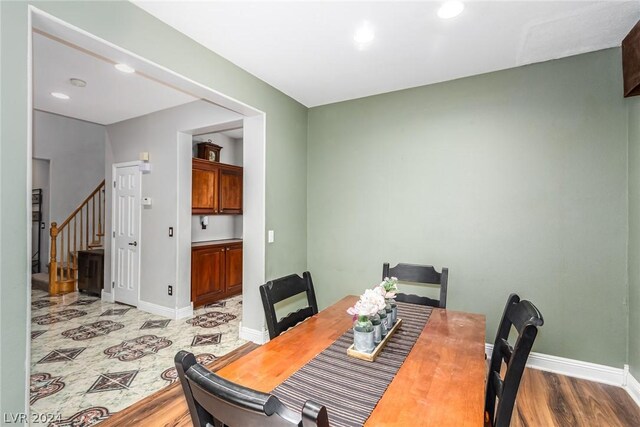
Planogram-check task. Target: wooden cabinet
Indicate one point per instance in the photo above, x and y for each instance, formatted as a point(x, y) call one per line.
point(233, 269)
point(216, 188)
point(230, 190)
point(216, 271)
point(204, 191)
point(207, 274)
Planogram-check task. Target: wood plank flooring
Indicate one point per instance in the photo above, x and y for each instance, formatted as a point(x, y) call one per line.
point(550, 400)
point(544, 400)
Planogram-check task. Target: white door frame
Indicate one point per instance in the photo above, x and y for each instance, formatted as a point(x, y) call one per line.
point(115, 166)
point(255, 259)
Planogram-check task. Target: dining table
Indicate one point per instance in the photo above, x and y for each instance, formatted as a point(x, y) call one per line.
point(440, 383)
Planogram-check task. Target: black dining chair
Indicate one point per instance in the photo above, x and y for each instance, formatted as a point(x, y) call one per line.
point(425, 274)
point(214, 401)
point(526, 319)
point(278, 290)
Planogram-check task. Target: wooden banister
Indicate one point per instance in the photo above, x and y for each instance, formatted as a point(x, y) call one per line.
point(63, 263)
point(83, 204)
point(53, 261)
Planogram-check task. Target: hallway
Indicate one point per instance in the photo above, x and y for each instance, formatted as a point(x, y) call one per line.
point(90, 359)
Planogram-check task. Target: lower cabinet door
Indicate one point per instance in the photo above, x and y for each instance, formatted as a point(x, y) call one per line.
point(234, 269)
point(207, 275)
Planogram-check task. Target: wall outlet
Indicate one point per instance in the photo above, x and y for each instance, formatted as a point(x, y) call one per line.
point(270, 236)
point(170, 290)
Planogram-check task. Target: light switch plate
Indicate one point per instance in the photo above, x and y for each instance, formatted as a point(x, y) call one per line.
point(270, 237)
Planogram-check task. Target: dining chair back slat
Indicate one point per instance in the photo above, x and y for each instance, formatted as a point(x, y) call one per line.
point(526, 319)
point(279, 290)
point(212, 400)
point(421, 274)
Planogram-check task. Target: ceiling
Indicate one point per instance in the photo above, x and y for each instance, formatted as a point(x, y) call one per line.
point(234, 133)
point(306, 48)
point(110, 96)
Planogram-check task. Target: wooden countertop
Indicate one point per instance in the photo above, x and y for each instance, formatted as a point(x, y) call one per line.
point(215, 242)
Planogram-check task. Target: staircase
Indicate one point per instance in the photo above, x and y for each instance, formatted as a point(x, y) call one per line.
point(82, 230)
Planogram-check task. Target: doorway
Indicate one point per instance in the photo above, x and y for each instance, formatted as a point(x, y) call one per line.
point(170, 247)
point(126, 243)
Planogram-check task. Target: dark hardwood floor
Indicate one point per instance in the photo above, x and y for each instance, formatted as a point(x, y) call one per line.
point(544, 400)
point(548, 400)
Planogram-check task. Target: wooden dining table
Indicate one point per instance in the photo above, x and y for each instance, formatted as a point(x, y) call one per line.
point(440, 383)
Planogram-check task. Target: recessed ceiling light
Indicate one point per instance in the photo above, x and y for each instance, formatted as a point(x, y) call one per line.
point(77, 82)
point(60, 95)
point(450, 9)
point(364, 35)
point(124, 68)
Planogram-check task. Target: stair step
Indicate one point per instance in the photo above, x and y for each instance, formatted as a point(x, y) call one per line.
point(40, 281)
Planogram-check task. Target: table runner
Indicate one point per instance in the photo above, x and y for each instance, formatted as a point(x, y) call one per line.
point(350, 388)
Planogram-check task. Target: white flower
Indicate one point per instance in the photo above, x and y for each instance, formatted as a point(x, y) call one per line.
point(379, 289)
point(374, 298)
point(368, 305)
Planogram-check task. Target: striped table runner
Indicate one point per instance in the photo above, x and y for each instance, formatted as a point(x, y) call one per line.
point(350, 388)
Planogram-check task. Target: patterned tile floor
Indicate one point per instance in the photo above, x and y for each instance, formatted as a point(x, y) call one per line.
point(90, 359)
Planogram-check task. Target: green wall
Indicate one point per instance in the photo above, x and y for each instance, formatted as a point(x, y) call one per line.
point(515, 180)
point(13, 215)
point(634, 236)
point(126, 25)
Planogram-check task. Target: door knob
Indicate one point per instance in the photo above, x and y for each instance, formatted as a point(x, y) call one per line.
point(133, 244)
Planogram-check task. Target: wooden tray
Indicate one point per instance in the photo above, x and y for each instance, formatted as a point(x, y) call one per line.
point(351, 351)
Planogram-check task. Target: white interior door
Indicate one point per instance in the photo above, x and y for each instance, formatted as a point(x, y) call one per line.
point(126, 234)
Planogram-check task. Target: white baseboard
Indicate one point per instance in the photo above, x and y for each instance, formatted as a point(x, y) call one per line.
point(573, 368)
point(183, 312)
point(149, 307)
point(160, 310)
point(633, 388)
point(253, 335)
point(107, 296)
point(577, 369)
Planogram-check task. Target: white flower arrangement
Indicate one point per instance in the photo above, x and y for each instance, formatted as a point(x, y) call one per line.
point(368, 305)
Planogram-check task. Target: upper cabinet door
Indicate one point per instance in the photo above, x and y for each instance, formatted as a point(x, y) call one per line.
point(230, 190)
point(204, 189)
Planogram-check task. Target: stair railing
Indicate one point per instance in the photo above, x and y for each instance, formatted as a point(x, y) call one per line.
point(83, 229)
